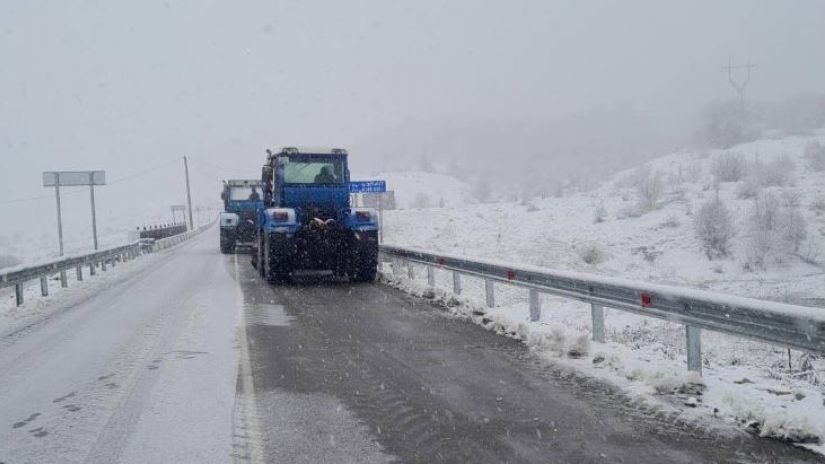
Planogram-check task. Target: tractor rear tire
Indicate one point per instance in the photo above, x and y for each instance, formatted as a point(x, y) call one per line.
point(276, 271)
point(365, 268)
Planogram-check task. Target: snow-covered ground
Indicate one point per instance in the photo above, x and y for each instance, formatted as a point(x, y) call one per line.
point(604, 231)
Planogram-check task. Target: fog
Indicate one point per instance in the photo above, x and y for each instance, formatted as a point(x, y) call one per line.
point(131, 87)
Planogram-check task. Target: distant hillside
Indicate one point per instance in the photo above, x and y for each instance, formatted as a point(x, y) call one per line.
point(642, 224)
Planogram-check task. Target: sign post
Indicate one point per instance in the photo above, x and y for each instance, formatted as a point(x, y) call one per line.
point(175, 209)
point(373, 186)
point(57, 179)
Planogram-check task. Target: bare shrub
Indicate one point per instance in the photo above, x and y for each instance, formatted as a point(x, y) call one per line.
point(629, 211)
point(649, 191)
point(591, 254)
point(600, 214)
point(815, 156)
point(714, 228)
point(818, 206)
point(671, 222)
point(779, 172)
point(776, 229)
point(793, 226)
point(728, 167)
point(693, 171)
point(749, 188)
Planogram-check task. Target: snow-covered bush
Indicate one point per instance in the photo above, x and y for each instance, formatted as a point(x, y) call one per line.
point(671, 222)
point(599, 214)
point(728, 167)
point(778, 173)
point(591, 254)
point(818, 206)
point(693, 172)
point(815, 155)
point(714, 228)
point(776, 229)
point(649, 190)
point(748, 188)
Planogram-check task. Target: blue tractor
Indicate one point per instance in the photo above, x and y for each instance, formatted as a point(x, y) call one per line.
point(307, 223)
point(242, 199)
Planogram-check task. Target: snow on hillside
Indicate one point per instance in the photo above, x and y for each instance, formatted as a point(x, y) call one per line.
point(603, 231)
point(612, 231)
point(418, 189)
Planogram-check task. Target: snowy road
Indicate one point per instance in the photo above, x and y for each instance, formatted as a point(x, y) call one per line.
point(192, 358)
point(144, 371)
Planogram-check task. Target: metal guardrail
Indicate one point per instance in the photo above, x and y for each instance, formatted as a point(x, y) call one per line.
point(18, 277)
point(798, 327)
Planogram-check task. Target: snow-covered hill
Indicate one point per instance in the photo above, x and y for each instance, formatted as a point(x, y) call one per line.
point(609, 231)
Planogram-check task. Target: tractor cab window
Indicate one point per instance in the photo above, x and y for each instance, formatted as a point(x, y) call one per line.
point(244, 193)
point(313, 171)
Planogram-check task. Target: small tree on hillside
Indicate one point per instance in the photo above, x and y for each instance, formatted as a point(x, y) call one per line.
point(650, 189)
point(714, 228)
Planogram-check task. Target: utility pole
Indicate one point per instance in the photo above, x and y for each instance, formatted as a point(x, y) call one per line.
point(740, 86)
point(188, 194)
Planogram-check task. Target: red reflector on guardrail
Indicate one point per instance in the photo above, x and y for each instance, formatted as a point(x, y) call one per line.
point(440, 261)
point(646, 299)
point(511, 275)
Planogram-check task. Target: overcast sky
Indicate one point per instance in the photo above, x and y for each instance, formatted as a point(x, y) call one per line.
point(130, 85)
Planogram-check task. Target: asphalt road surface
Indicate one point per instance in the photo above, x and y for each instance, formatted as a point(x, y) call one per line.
point(191, 357)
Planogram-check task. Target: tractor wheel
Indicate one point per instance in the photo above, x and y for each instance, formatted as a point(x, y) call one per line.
point(276, 269)
point(364, 268)
point(227, 247)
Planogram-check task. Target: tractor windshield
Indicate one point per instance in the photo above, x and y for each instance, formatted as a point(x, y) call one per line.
point(244, 193)
point(313, 171)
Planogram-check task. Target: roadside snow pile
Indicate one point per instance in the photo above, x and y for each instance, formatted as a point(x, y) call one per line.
point(418, 189)
point(639, 358)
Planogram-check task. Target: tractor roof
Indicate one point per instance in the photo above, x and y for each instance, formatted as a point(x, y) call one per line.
point(307, 150)
point(243, 182)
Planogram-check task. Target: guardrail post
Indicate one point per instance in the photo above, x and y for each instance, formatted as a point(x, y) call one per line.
point(113, 260)
point(63, 281)
point(430, 276)
point(535, 305)
point(79, 271)
point(92, 267)
point(410, 270)
point(103, 265)
point(694, 348)
point(489, 293)
point(18, 293)
point(597, 314)
point(44, 285)
point(456, 283)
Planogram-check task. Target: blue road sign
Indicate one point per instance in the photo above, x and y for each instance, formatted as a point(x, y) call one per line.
point(368, 186)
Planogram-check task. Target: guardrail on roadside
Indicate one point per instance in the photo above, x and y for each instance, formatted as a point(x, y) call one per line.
point(175, 239)
point(17, 277)
point(797, 327)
